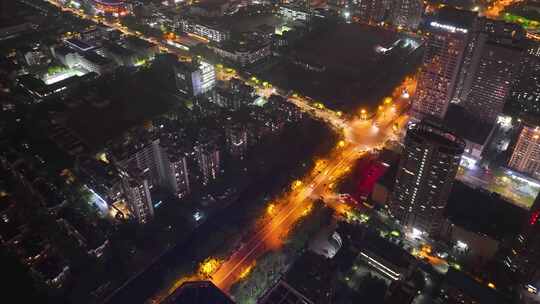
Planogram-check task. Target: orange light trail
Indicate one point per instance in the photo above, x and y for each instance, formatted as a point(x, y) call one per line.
point(496, 8)
point(283, 212)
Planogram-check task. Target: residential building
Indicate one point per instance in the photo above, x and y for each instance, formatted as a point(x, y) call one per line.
point(236, 138)
point(175, 169)
point(407, 13)
point(208, 160)
point(524, 97)
point(522, 258)
point(444, 52)
point(143, 155)
point(526, 154)
point(137, 195)
point(372, 11)
point(492, 76)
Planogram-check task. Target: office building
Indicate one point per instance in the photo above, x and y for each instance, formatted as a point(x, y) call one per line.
point(425, 176)
point(493, 74)
point(76, 54)
point(407, 13)
point(526, 154)
point(137, 196)
point(444, 53)
point(195, 78)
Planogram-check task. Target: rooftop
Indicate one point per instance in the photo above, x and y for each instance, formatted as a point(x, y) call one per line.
point(283, 293)
point(200, 292)
point(456, 17)
point(79, 45)
point(467, 126)
point(435, 132)
point(483, 212)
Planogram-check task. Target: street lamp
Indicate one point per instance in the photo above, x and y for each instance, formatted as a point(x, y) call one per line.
point(363, 114)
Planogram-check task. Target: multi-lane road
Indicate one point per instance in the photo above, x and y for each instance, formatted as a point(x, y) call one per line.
point(360, 136)
point(367, 135)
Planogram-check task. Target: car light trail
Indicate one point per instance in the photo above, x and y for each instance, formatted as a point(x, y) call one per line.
point(282, 214)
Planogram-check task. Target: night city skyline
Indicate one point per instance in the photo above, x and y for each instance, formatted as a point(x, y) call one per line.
point(270, 151)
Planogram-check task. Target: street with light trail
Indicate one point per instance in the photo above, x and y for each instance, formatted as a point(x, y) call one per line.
point(360, 137)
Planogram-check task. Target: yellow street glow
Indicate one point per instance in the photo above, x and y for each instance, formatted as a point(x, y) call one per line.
point(246, 271)
point(296, 184)
point(209, 266)
point(271, 209)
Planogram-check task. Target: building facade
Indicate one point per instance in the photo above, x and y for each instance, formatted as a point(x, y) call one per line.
point(492, 78)
point(208, 160)
point(175, 171)
point(523, 256)
point(526, 155)
point(524, 99)
point(444, 51)
point(146, 157)
point(372, 11)
point(296, 13)
point(204, 29)
point(425, 176)
point(195, 78)
point(137, 196)
point(407, 13)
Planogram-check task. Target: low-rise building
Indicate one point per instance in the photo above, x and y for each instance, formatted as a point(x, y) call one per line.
point(206, 29)
point(294, 13)
point(244, 52)
point(120, 55)
point(210, 8)
point(142, 48)
point(95, 63)
point(40, 91)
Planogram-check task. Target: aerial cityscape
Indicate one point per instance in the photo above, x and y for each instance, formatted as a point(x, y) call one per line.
point(270, 151)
